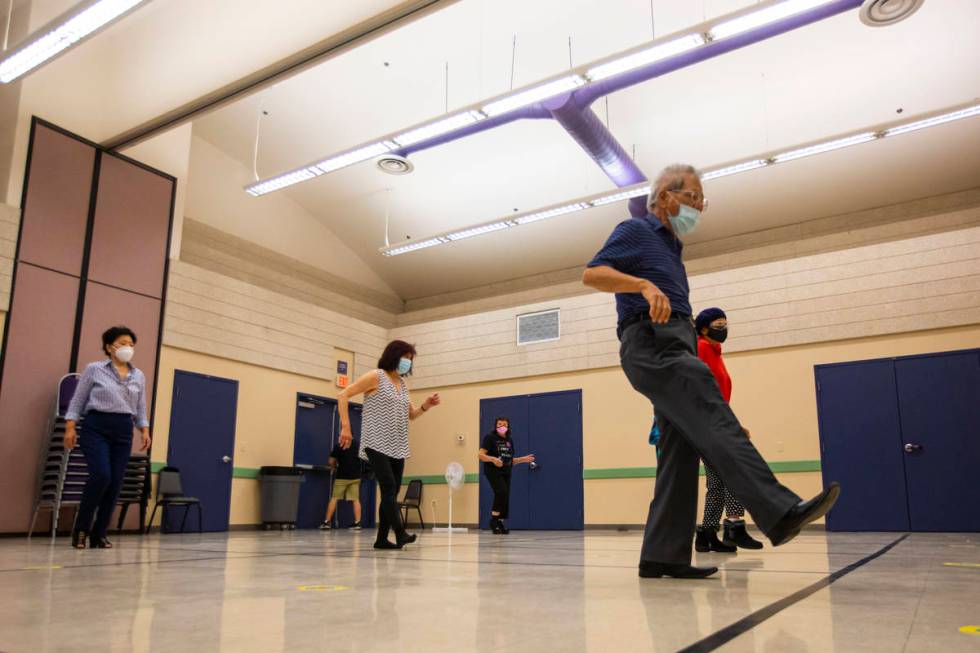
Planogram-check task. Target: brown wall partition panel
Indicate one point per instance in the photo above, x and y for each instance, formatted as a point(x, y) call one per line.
point(56, 202)
point(132, 224)
point(41, 329)
point(106, 307)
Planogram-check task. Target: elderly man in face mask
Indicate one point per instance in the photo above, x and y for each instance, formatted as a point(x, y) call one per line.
point(641, 262)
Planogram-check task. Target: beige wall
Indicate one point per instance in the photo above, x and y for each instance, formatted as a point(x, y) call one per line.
point(773, 395)
point(905, 285)
point(216, 197)
point(265, 424)
point(9, 224)
point(225, 317)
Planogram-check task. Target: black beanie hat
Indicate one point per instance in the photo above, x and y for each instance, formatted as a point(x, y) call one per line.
point(707, 316)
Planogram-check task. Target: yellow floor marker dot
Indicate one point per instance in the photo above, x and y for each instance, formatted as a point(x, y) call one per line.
point(967, 565)
point(970, 630)
point(322, 588)
point(42, 567)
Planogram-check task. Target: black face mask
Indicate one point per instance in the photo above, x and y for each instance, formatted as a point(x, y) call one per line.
point(718, 335)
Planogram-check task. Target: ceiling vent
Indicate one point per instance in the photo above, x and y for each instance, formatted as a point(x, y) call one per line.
point(393, 164)
point(533, 328)
point(880, 13)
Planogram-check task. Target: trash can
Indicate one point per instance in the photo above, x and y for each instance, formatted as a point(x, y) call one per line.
point(280, 496)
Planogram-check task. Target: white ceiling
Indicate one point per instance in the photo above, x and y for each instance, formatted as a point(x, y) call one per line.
point(829, 78)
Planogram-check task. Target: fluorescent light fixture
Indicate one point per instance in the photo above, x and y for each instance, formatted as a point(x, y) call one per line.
point(935, 120)
point(282, 181)
point(826, 146)
point(763, 16)
point(411, 247)
point(624, 195)
point(75, 27)
point(750, 164)
point(351, 157)
point(734, 169)
point(550, 213)
point(533, 94)
point(438, 127)
point(645, 57)
point(478, 231)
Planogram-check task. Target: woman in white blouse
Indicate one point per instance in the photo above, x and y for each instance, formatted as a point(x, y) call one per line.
point(384, 431)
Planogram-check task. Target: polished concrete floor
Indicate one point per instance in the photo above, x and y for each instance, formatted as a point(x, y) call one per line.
point(529, 591)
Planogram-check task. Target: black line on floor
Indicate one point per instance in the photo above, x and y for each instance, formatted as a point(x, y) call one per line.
point(730, 632)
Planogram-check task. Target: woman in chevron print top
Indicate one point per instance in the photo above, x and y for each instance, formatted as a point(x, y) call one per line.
point(384, 431)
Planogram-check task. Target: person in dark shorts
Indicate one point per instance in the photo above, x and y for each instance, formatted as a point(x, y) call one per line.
point(346, 485)
point(497, 455)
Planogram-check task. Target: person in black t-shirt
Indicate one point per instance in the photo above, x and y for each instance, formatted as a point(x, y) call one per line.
point(347, 483)
point(497, 454)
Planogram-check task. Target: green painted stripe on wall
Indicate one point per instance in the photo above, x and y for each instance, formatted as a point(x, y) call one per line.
point(236, 472)
point(792, 466)
point(438, 479)
point(623, 472)
point(778, 467)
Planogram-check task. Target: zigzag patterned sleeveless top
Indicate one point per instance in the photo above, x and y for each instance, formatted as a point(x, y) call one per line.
point(385, 419)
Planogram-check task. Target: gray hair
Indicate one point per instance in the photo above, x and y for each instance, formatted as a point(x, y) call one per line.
point(670, 178)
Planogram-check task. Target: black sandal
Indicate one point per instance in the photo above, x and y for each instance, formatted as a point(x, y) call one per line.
point(78, 539)
point(101, 543)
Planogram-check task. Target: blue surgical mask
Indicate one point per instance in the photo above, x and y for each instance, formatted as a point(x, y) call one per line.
point(404, 366)
point(685, 221)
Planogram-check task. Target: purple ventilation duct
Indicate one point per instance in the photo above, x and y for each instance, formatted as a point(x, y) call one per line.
point(572, 110)
point(592, 92)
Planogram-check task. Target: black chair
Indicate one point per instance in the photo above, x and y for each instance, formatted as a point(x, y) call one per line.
point(412, 499)
point(171, 493)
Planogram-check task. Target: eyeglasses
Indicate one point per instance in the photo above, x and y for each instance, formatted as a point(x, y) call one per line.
point(695, 196)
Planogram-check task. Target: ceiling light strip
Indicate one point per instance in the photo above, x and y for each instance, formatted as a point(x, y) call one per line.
point(639, 190)
point(762, 17)
point(658, 50)
point(60, 35)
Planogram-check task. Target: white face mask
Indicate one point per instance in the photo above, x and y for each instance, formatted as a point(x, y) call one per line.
point(125, 354)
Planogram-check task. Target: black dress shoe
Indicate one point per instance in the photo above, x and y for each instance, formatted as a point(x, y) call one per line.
point(385, 544)
point(802, 514)
point(659, 569)
point(405, 538)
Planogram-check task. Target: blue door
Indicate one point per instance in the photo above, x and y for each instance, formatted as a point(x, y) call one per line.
point(202, 442)
point(312, 443)
point(900, 434)
point(860, 445)
point(939, 403)
point(550, 495)
point(317, 430)
point(516, 410)
point(555, 492)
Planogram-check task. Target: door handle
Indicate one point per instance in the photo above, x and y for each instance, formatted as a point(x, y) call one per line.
point(226, 459)
point(912, 448)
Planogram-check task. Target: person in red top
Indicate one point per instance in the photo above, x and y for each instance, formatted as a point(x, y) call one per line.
point(712, 329)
